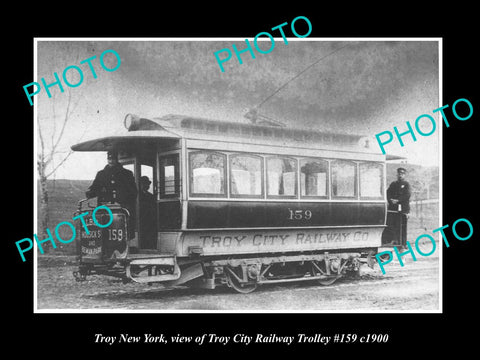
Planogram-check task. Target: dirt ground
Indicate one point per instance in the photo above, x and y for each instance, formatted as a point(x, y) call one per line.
point(412, 288)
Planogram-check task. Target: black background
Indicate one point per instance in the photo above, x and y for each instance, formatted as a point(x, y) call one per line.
point(66, 335)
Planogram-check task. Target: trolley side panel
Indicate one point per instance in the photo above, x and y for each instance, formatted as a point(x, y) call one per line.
point(277, 241)
point(244, 214)
point(169, 214)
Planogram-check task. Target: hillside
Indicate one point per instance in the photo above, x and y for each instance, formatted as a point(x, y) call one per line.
point(64, 196)
point(63, 201)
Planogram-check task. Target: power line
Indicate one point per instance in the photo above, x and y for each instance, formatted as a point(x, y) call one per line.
point(300, 73)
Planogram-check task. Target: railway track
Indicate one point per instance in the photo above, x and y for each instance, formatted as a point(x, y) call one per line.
point(414, 286)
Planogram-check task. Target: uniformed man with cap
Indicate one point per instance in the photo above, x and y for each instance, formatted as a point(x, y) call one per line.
point(398, 196)
point(398, 193)
point(115, 184)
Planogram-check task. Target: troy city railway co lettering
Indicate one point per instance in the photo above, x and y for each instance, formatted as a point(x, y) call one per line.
point(281, 239)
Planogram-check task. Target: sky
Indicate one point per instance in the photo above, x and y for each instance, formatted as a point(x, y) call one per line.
point(354, 87)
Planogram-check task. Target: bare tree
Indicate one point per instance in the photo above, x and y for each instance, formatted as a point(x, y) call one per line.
point(50, 158)
point(52, 126)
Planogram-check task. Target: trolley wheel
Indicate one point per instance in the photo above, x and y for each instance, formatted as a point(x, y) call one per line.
point(320, 269)
point(238, 286)
point(328, 281)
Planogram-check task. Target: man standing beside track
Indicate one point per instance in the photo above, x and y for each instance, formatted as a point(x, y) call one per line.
point(398, 193)
point(398, 196)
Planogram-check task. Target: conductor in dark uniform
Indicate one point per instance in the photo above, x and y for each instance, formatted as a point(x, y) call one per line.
point(398, 193)
point(115, 184)
point(398, 196)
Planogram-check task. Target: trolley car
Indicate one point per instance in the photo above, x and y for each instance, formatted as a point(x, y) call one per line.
point(241, 204)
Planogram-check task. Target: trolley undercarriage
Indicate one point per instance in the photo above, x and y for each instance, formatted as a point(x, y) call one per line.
point(242, 274)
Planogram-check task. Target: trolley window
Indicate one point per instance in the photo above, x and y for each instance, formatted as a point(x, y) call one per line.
point(169, 176)
point(246, 176)
point(207, 173)
point(371, 181)
point(344, 179)
point(281, 177)
point(314, 178)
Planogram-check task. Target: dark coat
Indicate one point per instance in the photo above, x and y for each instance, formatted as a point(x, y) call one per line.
point(114, 184)
point(399, 190)
point(148, 229)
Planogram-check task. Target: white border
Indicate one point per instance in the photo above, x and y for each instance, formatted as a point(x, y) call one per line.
point(168, 311)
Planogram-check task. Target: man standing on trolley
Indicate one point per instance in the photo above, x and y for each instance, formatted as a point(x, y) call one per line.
point(398, 196)
point(115, 184)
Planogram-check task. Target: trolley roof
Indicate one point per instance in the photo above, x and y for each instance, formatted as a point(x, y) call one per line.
point(142, 131)
point(180, 126)
point(116, 141)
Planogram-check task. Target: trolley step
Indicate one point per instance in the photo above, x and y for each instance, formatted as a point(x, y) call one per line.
point(158, 267)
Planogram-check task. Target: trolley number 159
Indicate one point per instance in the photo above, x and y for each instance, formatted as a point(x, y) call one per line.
point(115, 234)
point(299, 214)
